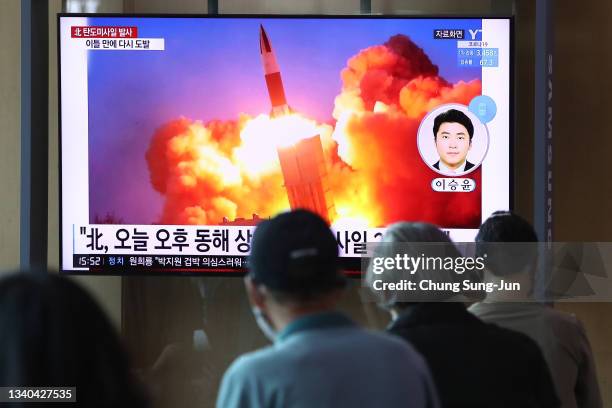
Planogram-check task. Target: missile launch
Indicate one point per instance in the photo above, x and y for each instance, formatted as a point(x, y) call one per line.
point(274, 81)
point(303, 163)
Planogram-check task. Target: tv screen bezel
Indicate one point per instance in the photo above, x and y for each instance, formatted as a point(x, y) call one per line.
point(351, 266)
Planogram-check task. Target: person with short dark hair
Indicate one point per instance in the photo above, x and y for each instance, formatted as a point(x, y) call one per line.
point(53, 334)
point(561, 336)
point(474, 364)
point(320, 358)
point(453, 132)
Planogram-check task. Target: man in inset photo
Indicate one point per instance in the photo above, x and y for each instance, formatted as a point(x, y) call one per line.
point(453, 132)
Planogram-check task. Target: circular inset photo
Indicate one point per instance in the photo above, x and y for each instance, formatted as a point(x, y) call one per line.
point(452, 140)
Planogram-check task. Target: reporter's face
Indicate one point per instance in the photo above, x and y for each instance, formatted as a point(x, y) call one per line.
point(453, 143)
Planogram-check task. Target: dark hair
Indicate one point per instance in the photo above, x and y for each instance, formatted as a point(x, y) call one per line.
point(505, 226)
point(453, 116)
point(295, 255)
point(520, 249)
point(54, 334)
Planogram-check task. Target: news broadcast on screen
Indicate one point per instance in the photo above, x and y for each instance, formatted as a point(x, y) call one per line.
point(178, 135)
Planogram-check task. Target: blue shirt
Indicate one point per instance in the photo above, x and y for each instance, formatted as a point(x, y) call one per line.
point(325, 360)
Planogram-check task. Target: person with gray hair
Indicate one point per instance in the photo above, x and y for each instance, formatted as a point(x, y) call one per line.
point(418, 241)
point(474, 364)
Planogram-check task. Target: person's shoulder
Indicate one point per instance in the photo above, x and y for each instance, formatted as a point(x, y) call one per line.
point(242, 382)
point(436, 165)
point(495, 310)
point(252, 363)
point(384, 338)
point(394, 345)
point(509, 336)
point(514, 342)
point(478, 309)
point(385, 342)
point(560, 317)
point(468, 165)
point(496, 332)
point(566, 327)
point(559, 320)
point(563, 325)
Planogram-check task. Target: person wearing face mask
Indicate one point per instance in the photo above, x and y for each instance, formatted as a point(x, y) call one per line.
point(319, 357)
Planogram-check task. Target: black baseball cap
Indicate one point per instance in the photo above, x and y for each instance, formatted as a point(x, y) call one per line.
point(295, 253)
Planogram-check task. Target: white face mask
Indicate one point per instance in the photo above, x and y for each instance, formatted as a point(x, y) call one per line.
point(264, 324)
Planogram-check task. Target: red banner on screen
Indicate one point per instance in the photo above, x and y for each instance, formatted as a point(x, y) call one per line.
point(103, 32)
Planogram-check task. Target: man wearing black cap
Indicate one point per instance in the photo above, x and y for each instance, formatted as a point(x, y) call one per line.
point(319, 358)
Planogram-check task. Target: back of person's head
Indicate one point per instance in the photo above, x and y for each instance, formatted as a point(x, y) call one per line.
point(52, 333)
point(505, 226)
point(418, 232)
point(295, 256)
point(509, 241)
point(416, 240)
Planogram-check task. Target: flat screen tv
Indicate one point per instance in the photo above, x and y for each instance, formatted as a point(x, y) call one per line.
point(178, 134)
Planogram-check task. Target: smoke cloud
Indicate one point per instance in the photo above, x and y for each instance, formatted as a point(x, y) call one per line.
point(222, 169)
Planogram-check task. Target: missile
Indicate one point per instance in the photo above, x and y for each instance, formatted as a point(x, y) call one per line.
point(274, 82)
point(303, 163)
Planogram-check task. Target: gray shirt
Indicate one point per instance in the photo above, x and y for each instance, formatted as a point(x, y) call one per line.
point(564, 345)
point(325, 360)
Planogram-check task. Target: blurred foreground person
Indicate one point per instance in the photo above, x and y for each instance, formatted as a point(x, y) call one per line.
point(320, 358)
point(561, 336)
point(473, 364)
point(52, 334)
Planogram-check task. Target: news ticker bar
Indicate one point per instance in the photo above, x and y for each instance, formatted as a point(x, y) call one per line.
point(152, 262)
point(37, 394)
point(132, 263)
